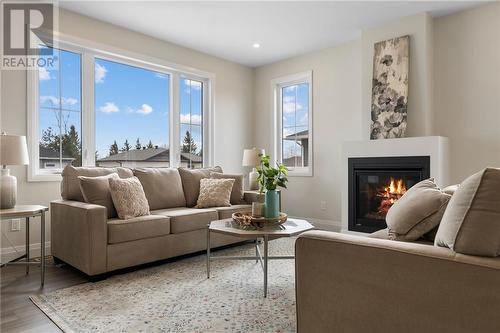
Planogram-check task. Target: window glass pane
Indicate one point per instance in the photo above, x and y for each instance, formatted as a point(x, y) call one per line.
point(132, 116)
point(191, 120)
point(295, 125)
point(60, 113)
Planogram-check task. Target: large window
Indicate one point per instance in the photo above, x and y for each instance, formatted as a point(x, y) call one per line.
point(108, 109)
point(191, 120)
point(132, 115)
point(293, 130)
point(59, 113)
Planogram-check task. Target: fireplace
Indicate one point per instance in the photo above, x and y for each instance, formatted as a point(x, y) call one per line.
point(376, 183)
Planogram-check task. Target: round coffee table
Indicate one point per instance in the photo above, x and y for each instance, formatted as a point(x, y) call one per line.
point(291, 227)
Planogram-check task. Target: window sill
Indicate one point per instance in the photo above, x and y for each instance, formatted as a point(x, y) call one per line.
point(44, 177)
point(306, 172)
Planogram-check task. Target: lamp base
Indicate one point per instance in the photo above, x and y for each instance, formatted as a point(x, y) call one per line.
point(253, 183)
point(8, 190)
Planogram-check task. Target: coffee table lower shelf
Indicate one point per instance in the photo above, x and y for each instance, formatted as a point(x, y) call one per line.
point(261, 236)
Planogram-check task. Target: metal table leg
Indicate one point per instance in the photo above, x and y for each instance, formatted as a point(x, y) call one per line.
point(256, 250)
point(266, 257)
point(208, 251)
point(42, 259)
point(27, 244)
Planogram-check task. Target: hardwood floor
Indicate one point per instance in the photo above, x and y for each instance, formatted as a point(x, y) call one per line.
point(18, 313)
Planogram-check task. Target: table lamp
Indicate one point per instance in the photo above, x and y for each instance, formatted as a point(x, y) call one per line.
point(13, 151)
point(251, 158)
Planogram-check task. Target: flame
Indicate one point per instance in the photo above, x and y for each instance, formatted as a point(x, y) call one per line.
point(391, 194)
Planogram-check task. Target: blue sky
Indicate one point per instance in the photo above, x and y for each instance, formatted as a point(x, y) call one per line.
point(130, 102)
point(295, 106)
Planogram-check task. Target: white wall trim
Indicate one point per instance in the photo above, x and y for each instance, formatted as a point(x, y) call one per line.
point(11, 253)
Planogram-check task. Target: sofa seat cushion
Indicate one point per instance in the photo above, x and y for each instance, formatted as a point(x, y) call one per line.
point(141, 227)
point(227, 212)
point(183, 219)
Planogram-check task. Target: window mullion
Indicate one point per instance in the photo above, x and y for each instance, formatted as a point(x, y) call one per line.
point(175, 144)
point(88, 110)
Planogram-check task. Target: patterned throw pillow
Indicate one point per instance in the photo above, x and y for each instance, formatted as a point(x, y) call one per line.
point(128, 197)
point(215, 193)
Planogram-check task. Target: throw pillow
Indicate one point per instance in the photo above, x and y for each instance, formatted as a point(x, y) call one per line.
point(70, 185)
point(471, 223)
point(417, 212)
point(237, 191)
point(96, 191)
point(128, 197)
point(163, 187)
point(215, 193)
point(191, 182)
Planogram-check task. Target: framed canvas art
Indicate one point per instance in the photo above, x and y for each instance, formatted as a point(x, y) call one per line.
point(390, 88)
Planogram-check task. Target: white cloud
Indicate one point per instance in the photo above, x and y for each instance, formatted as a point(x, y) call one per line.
point(109, 107)
point(55, 101)
point(290, 88)
point(100, 73)
point(194, 119)
point(43, 74)
point(195, 85)
point(145, 109)
point(161, 75)
point(51, 99)
point(69, 101)
point(289, 105)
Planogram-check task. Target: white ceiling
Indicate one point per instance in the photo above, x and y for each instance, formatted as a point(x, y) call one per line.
point(283, 29)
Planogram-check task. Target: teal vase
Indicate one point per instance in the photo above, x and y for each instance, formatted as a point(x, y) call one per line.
point(272, 204)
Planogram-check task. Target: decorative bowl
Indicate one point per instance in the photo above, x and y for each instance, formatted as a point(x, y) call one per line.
point(246, 219)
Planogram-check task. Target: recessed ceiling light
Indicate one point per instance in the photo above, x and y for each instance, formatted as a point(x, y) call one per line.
point(255, 45)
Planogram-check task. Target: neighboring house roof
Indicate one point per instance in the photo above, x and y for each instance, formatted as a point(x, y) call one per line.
point(302, 135)
point(51, 154)
point(148, 155)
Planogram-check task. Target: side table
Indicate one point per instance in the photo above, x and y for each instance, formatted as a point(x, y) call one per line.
point(28, 211)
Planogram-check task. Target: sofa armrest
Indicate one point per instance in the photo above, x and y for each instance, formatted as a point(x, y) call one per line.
point(347, 283)
point(253, 196)
point(79, 235)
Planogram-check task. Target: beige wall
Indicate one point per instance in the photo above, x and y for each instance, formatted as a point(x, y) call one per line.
point(467, 87)
point(233, 103)
point(336, 117)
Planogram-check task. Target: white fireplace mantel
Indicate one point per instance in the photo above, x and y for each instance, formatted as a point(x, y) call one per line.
point(436, 147)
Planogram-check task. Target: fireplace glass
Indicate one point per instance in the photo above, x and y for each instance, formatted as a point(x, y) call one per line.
point(376, 184)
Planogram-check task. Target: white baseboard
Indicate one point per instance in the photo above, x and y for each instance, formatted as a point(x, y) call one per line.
point(11, 253)
point(328, 225)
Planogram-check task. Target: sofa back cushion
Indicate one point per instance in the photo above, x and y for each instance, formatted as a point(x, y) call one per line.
point(96, 191)
point(417, 212)
point(237, 190)
point(70, 185)
point(191, 182)
point(471, 222)
point(162, 186)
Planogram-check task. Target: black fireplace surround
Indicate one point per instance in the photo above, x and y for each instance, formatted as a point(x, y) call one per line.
point(376, 182)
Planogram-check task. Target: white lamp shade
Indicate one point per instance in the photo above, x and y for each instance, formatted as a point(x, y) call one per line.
point(13, 150)
point(251, 157)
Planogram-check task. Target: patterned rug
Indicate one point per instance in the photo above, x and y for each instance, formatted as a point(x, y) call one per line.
point(177, 297)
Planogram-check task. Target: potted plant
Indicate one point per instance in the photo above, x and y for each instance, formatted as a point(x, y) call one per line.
point(269, 179)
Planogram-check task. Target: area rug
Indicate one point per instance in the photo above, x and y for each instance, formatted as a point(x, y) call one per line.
point(178, 297)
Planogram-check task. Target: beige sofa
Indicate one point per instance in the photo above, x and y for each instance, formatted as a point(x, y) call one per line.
point(83, 236)
point(347, 283)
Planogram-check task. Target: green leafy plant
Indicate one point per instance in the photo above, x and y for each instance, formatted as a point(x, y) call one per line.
point(270, 177)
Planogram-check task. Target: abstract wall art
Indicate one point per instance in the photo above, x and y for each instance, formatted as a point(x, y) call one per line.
point(390, 88)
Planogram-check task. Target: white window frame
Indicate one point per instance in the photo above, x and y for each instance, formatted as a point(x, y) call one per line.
point(277, 119)
point(91, 50)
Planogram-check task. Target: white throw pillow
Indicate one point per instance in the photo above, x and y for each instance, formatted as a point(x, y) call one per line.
point(215, 193)
point(128, 197)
